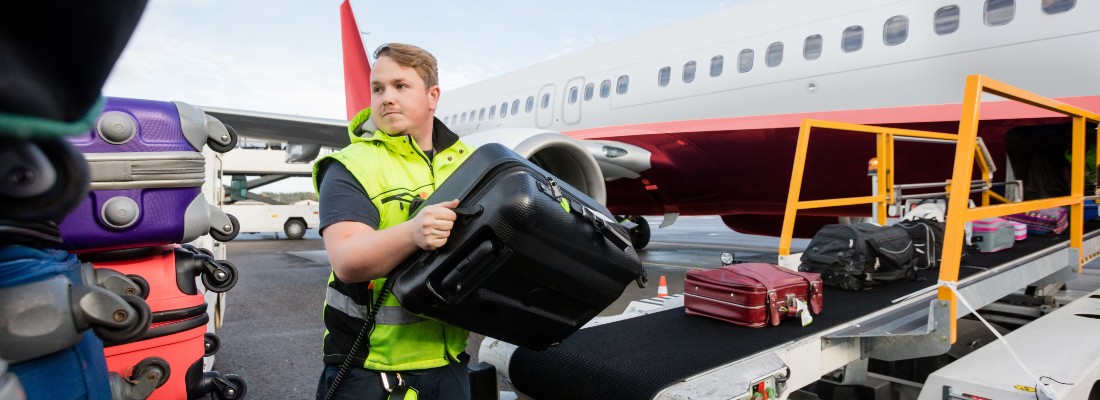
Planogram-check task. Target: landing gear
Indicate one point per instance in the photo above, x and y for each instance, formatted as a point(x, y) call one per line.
point(639, 232)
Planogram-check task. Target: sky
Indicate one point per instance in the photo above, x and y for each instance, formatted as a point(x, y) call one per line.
point(284, 56)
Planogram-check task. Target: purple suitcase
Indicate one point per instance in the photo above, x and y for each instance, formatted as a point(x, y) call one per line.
point(147, 175)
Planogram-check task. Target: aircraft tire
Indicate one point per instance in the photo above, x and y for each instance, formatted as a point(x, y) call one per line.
point(639, 236)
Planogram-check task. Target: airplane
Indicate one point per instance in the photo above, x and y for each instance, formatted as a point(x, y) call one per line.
point(701, 117)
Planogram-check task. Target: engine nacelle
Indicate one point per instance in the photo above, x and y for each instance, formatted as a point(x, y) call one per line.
point(564, 157)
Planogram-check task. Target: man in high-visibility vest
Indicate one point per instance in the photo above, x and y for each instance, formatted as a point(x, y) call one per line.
point(399, 151)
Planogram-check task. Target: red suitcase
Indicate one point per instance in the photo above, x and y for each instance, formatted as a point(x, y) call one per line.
point(750, 294)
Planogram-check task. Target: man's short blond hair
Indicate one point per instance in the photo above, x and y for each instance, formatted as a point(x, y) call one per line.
point(409, 56)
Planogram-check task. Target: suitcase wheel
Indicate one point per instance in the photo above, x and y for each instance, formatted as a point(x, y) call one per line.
point(129, 332)
point(228, 144)
point(221, 235)
point(220, 278)
point(44, 179)
point(211, 344)
point(153, 369)
point(222, 386)
point(142, 286)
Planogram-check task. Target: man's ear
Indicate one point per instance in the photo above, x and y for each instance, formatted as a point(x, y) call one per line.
point(433, 97)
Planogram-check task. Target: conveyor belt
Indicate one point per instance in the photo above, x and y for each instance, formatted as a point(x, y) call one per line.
point(638, 357)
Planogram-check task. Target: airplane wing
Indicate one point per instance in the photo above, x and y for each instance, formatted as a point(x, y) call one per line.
point(287, 128)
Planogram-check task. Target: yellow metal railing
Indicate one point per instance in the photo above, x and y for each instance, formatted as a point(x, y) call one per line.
point(958, 195)
point(886, 138)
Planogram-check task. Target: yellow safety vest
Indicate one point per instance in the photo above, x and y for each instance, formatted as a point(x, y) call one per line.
point(393, 170)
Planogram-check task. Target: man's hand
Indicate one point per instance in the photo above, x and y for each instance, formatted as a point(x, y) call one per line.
point(432, 226)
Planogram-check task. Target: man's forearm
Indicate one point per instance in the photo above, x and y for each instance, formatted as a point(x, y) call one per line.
point(370, 254)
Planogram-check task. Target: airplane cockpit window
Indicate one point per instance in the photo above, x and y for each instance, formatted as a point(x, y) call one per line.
point(574, 94)
point(999, 12)
point(493, 111)
point(716, 65)
point(530, 103)
point(481, 115)
point(504, 109)
point(589, 89)
point(1058, 6)
point(689, 71)
point(774, 56)
point(623, 84)
point(744, 60)
point(852, 39)
point(896, 30)
point(947, 20)
point(663, 76)
point(811, 49)
point(515, 107)
point(605, 88)
point(545, 101)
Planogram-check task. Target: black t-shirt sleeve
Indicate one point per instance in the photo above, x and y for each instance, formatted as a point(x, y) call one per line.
point(342, 198)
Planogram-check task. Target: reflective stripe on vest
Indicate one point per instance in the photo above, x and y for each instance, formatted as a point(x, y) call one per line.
point(387, 315)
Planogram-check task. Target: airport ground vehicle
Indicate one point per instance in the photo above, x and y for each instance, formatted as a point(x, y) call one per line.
point(290, 219)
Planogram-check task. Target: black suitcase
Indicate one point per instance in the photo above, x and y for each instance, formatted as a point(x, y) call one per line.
point(529, 260)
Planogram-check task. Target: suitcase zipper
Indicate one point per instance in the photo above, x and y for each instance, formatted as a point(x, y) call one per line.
point(711, 299)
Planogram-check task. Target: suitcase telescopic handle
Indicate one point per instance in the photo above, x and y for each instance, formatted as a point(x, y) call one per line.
point(476, 260)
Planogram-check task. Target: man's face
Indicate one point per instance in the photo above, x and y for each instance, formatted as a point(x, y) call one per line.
point(400, 101)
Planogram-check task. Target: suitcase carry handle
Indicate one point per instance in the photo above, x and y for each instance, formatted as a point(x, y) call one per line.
point(468, 211)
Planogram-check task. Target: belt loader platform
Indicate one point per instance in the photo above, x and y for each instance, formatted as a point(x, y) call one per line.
point(665, 354)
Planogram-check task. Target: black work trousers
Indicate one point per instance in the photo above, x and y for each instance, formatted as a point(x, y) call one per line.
point(451, 382)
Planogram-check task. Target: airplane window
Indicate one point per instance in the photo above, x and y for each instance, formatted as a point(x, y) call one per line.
point(716, 65)
point(896, 30)
point(493, 111)
point(545, 100)
point(481, 115)
point(515, 107)
point(530, 104)
point(947, 20)
point(472, 114)
point(463, 118)
point(588, 90)
point(454, 118)
point(774, 57)
point(744, 61)
point(504, 109)
point(445, 119)
point(624, 84)
point(811, 48)
point(574, 94)
point(999, 12)
point(689, 72)
point(663, 76)
point(852, 39)
point(1058, 6)
point(605, 88)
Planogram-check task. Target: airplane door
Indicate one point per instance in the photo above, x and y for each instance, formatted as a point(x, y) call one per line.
point(544, 107)
point(571, 101)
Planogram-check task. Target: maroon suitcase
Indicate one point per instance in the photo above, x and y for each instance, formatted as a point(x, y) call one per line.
point(750, 294)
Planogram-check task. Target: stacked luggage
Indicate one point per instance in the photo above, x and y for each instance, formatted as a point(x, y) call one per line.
point(126, 318)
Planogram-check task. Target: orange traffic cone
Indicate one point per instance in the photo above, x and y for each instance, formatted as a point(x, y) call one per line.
point(662, 289)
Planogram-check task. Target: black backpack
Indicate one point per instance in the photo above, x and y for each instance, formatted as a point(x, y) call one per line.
point(855, 257)
point(927, 235)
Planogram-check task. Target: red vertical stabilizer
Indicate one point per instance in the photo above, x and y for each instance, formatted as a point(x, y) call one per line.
point(356, 66)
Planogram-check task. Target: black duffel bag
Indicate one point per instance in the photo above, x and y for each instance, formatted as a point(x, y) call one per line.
point(858, 256)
